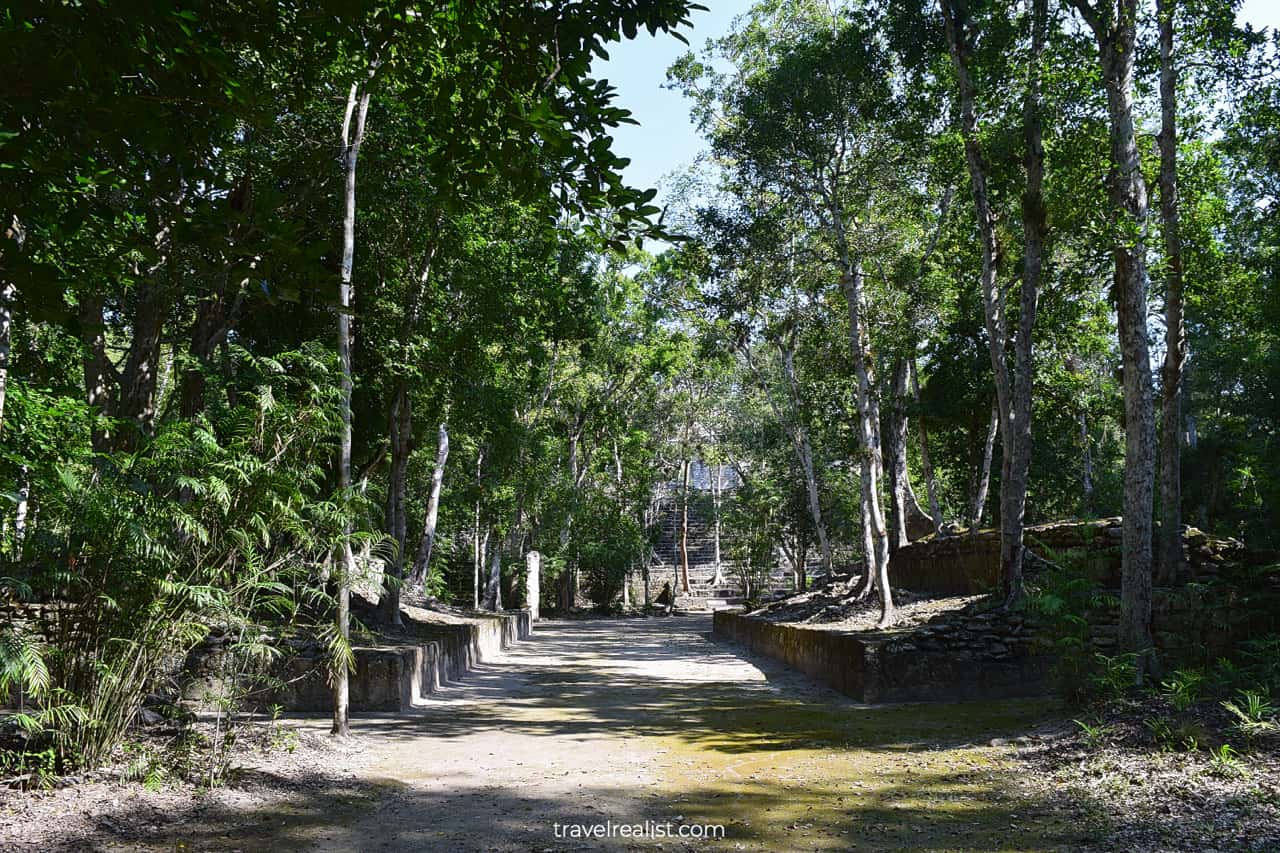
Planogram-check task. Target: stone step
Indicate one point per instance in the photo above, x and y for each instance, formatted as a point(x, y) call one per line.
point(399, 676)
point(707, 604)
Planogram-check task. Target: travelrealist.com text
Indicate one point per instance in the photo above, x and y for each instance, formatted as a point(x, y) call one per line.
point(647, 829)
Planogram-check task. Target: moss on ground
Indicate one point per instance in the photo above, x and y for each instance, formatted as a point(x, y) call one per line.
point(795, 775)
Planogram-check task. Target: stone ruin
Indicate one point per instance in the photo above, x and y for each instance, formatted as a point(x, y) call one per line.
point(978, 651)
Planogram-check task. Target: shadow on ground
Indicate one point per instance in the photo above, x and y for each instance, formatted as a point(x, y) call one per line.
point(731, 740)
point(901, 812)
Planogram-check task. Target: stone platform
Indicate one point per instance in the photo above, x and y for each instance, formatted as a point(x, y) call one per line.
point(968, 563)
point(437, 648)
point(978, 656)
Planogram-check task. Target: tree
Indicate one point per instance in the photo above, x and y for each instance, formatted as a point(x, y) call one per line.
point(759, 293)
point(809, 115)
point(1114, 26)
point(1170, 546)
point(1013, 388)
point(353, 124)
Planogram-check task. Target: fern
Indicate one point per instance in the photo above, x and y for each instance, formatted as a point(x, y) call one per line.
point(22, 665)
point(150, 549)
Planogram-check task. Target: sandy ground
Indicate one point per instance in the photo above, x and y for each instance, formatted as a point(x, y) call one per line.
point(570, 728)
point(623, 721)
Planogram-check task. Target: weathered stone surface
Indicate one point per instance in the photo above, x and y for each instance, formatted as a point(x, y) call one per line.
point(875, 667)
point(969, 564)
point(440, 648)
point(532, 583)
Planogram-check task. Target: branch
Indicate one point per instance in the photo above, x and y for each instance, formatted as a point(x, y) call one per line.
point(1092, 14)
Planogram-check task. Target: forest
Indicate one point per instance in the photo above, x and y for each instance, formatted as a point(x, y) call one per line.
point(290, 291)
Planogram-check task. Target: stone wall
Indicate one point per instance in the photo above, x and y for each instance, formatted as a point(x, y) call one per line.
point(1221, 599)
point(438, 648)
point(968, 564)
point(34, 619)
point(963, 656)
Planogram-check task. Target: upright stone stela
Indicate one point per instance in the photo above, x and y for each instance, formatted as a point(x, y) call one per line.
point(532, 582)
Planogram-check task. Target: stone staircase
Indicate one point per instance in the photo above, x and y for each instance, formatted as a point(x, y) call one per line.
point(707, 592)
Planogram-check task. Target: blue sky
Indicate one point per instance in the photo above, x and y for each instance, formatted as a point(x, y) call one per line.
point(666, 140)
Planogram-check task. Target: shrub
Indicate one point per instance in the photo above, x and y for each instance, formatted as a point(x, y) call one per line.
point(222, 521)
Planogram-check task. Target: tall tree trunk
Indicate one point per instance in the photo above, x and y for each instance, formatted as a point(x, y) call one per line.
point(1170, 559)
point(684, 526)
point(136, 401)
point(804, 450)
point(422, 562)
point(215, 317)
point(1086, 466)
point(99, 373)
point(1034, 226)
point(617, 467)
point(982, 471)
point(568, 584)
point(353, 123)
point(477, 549)
point(7, 293)
point(481, 547)
point(851, 284)
point(401, 440)
point(717, 486)
point(935, 511)
point(802, 566)
point(139, 378)
point(13, 233)
point(493, 582)
point(218, 312)
point(1013, 393)
point(868, 583)
point(401, 427)
point(20, 510)
point(930, 477)
point(493, 588)
point(1116, 35)
point(895, 451)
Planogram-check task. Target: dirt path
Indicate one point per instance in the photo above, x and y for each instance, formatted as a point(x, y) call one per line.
point(636, 720)
point(629, 721)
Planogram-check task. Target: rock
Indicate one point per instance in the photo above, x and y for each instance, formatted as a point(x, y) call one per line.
point(155, 700)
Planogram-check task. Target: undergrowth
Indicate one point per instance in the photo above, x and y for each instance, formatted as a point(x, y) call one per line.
point(1221, 706)
point(224, 524)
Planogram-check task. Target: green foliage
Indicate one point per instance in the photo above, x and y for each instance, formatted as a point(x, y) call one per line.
point(193, 530)
point(754, 523)
point(1115, 675)
point(607, 542)
point(279, 737)
point(1095, 734)
point(1260, 659)
point(1176, 734)
point(1067, 602)
point(1254, 715)
point(22, 665)
point(32, 769)
point(170, 250)
point(1182, 688)
point(1224, 762)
